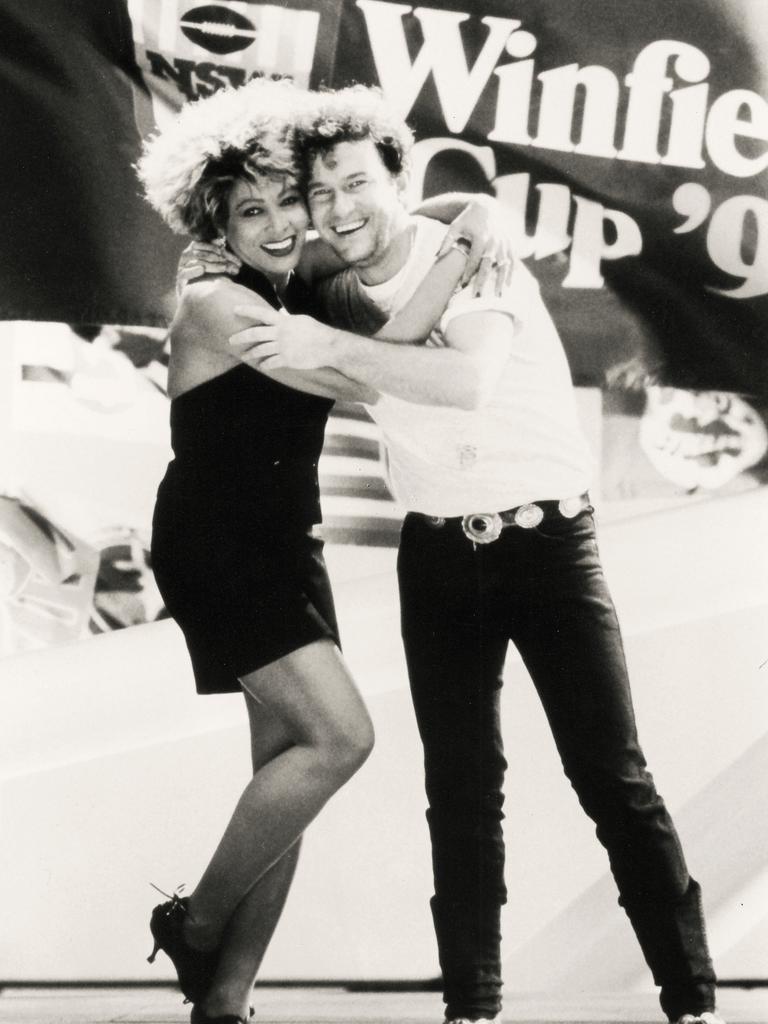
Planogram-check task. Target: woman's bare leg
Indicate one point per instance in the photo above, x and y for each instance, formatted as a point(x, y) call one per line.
point(246, 939)
point(312, 694)
point(252, 925)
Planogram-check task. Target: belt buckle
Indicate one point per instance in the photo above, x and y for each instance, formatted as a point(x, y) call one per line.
point(482, 527)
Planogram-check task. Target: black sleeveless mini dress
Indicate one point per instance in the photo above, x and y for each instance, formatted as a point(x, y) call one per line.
point(233, 550)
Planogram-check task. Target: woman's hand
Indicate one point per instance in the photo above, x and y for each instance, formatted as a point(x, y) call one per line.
point(205, 258)
point(483, 224)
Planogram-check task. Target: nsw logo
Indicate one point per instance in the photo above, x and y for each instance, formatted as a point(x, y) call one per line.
point(218, 29)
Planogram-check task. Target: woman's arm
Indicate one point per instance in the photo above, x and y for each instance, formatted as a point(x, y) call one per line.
point(482, 220)
point(449, 205)
point(413, 324)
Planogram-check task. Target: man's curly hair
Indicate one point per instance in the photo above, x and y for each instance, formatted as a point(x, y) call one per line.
point(351, 115)
point(189, 167)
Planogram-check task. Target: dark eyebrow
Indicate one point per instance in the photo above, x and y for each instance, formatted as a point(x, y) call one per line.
point(248, 199)
point(313, 182)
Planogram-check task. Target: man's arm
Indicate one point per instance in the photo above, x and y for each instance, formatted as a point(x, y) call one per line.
point(464, 374)
point(206, 318)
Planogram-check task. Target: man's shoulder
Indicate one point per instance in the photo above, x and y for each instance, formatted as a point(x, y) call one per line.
point(342, 301)
point(429, 236)
point(427, 239)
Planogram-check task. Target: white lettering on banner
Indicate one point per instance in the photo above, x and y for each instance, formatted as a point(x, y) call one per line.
point(554, 211)
point(728, 228)
point(513, 103)
point(725, 123)
point(652, 102)
point(424, 152)
point(693, 202)
point(558, 100)
point(589, 247)
point(648, 83)
point(441, 54)
point(669, 121)
point(551, 234)
point(685, 139)
point(737, 238)
point(588, 244)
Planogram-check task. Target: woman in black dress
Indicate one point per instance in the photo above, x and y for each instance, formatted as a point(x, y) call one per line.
point(234, 552)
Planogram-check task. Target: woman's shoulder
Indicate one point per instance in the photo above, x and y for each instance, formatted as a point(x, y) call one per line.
point(207, 306)
point(212, 291)
point(201, 329)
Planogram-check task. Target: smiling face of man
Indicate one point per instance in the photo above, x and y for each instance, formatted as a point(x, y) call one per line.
point(357, 207)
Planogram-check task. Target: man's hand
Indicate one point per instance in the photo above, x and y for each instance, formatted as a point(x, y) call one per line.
point(205, 258)
point(483, 223)
point(278, 340)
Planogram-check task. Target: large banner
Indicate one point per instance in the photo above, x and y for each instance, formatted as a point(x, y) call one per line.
point(628, 140)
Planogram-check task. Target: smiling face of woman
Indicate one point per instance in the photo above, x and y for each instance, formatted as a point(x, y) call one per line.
point(267, 224)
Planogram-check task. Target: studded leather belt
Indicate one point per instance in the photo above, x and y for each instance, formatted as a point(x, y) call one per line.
point(486, 527)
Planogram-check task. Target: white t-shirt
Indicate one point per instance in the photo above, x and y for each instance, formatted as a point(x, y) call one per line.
point(524, 445)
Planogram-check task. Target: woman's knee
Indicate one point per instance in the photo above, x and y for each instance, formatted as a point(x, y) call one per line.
point(351, 748)
point(314, 697)
point(343, 748)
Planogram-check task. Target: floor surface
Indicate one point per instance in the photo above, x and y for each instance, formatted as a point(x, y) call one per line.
point(338, 1006)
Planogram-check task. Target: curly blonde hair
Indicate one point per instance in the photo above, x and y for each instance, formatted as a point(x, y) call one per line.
point(188, 168)
point(350, 115)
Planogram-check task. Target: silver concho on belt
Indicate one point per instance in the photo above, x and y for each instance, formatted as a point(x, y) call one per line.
point(482, 527)
point(529, 516)
point(570, 507)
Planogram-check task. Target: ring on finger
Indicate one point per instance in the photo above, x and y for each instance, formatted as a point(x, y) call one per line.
point(462, 245)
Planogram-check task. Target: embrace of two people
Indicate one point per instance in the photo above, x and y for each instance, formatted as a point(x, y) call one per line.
point(445, 339)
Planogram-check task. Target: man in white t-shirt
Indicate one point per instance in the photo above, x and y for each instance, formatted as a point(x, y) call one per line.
point(487, 455)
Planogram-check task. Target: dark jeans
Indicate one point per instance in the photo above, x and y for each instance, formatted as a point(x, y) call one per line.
point(544, 589)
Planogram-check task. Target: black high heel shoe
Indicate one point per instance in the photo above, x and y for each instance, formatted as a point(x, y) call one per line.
point(195, 967)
